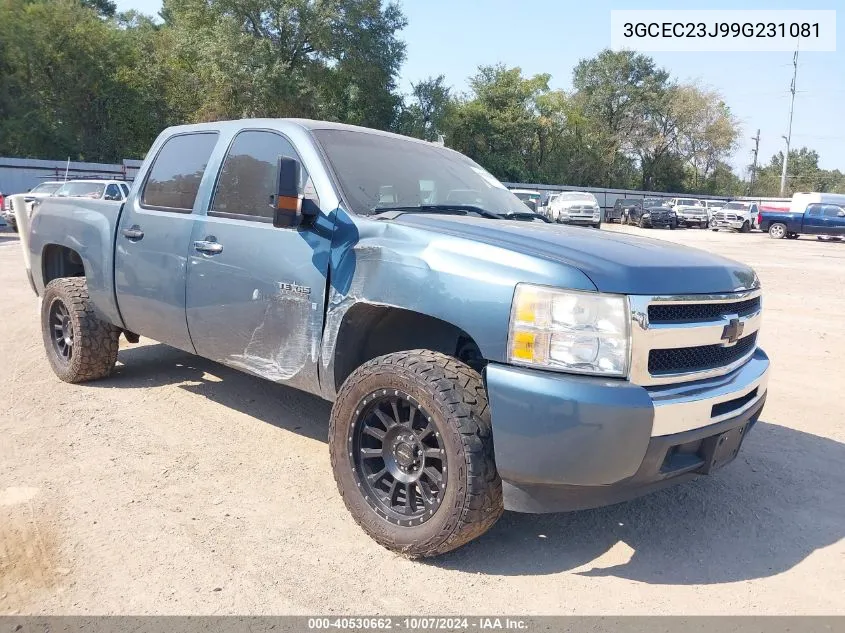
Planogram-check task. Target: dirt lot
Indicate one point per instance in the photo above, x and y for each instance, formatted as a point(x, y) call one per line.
point(181, 486)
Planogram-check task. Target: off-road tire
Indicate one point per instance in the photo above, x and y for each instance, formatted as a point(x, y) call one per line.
point(454, 396)
point(95, 342)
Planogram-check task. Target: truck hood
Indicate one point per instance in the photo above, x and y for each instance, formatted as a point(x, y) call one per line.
point(614, 262)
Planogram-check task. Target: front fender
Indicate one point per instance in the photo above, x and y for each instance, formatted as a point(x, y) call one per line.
point(465, 283)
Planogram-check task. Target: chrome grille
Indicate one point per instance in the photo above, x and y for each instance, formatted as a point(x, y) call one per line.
point(676, 339)
point(701, 311)
point(684, 359)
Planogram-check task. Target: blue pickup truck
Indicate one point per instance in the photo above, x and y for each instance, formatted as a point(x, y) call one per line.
point(819, 214)
point(475, 362)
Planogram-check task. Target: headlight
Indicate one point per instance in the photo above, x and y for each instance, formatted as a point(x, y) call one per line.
point(579, 332)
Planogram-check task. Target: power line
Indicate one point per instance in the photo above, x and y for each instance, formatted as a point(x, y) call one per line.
point(751, 180)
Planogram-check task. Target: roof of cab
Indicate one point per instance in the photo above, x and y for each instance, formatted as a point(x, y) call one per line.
point(307, 124)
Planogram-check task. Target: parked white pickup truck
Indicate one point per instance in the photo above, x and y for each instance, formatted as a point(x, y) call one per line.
point(690, 212)
point(739, 216)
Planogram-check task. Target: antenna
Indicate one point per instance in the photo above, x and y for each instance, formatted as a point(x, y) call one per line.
point(788, 136)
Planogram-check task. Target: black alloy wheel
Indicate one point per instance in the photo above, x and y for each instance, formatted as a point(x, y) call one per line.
point(398, 457)
point(62, 331)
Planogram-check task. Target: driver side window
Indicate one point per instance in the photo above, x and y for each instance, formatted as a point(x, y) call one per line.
point(246, 185)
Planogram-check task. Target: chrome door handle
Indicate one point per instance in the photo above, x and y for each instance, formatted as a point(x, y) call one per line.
point(133, 233)
point(208, 247)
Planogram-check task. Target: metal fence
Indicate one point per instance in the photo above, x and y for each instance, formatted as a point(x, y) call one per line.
point(18, 175)
point(607, 197)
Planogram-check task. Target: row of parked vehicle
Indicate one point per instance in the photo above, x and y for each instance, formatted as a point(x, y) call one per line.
point(94, 189)
point(819, 214)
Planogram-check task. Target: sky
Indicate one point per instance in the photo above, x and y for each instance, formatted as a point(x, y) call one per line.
point(454, 37)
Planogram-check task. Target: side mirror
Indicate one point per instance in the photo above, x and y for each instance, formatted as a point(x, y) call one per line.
point(287, 211)
point(841, 214)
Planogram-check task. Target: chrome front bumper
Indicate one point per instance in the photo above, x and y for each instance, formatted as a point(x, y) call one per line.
point(692, 405)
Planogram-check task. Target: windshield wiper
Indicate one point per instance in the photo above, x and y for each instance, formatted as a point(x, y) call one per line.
point(460, 209)
point(524, 215)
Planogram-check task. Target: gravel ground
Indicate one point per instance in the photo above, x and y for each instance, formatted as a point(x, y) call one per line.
point(179, 486)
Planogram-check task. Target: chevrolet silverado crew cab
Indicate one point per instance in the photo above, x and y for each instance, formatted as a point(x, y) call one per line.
point(475, 363)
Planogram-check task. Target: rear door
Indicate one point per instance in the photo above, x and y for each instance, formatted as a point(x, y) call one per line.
point(153, 237)
point(256, 293)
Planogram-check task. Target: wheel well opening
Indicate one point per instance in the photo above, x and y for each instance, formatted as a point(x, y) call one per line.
point(61, 261)
point(369, 331)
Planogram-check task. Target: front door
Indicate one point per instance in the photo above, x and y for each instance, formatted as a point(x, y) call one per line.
point(256, 293)
point(814, 219)
point(834, 220)
point(151, 246)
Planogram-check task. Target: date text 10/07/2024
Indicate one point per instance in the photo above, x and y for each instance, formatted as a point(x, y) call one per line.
point(419, 623)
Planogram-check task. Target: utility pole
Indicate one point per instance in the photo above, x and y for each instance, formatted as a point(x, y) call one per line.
point(788, 136)
point(756, 140)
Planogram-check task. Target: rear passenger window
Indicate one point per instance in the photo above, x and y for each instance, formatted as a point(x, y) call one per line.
point(814, 209)
point(174, 179)
point(112, 192)
point(247, 182)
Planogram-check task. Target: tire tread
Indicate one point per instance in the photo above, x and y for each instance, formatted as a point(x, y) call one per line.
point(95, 341)
point(460, 393)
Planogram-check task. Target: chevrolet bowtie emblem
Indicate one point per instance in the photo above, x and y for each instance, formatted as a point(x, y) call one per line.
point(732, 332)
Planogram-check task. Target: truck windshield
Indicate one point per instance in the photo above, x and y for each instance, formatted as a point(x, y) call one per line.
point(81, 190)
point(577, 196)
point(378, 172)
point(46, 187)
point(736, 205)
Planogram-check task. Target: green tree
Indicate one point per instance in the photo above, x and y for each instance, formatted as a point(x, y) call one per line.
point(334, 60)
point(63, 89)
point(623, 100)
point(706, 131)
point(803, 174)
point(425, 114)
point(499, 124)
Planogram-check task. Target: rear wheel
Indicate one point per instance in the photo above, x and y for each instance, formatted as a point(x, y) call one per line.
point(79, 345)
point(777, 231)
point(412, 452)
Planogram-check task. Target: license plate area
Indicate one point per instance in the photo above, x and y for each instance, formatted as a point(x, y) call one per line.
point(719, 450)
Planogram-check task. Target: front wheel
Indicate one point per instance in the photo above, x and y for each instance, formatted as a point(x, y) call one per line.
point(79, 345)
point(411, 447)
point(777, 231)
point(746, 227)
